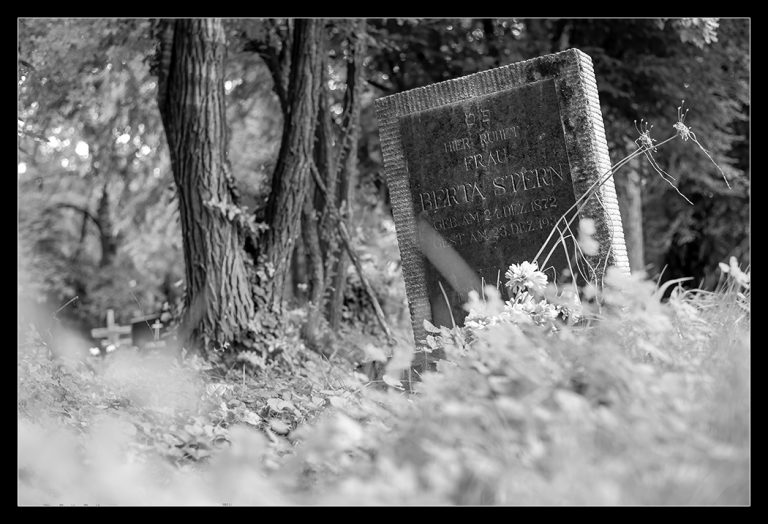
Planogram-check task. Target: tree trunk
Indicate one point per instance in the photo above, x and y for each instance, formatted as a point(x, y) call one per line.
point(311, 240)
point(299, 272)
point(218, 301)
point(319, 219)
point(106, 235)
point(290, 182)
point(629, 191)
point(81, 241)
point(349, 172)
point(491, 40)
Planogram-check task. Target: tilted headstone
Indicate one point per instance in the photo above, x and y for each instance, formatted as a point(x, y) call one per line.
point(479, 170)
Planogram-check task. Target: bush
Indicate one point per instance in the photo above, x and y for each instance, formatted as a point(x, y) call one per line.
point(627, 400)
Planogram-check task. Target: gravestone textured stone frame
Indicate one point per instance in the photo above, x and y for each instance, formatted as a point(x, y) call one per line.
point(479, 169)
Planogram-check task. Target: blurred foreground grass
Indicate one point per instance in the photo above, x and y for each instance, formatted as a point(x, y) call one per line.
point(641, 402)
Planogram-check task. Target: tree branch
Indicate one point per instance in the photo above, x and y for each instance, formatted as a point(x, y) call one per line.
point(382, 87)
point(277, 60)
point(80, 209)
point(345, 239)
point(164, 58)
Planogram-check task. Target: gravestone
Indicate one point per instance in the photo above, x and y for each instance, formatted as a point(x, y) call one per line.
point(481, 167)
point(146, 331)
point(113, 334)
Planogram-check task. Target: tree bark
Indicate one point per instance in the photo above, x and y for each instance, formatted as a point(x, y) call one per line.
point(318, 206)
point(316, 268)
point(81, 241)
point(349, 172)
point(629, 191)
point(290, 182)
point(275, 50)
point(319, 220)
point(218, 301)
point(106, 235)
point(299, 272)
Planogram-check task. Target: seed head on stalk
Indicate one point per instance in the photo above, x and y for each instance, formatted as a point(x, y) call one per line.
point(645, 143)
point(645, 140)
point(685, 133)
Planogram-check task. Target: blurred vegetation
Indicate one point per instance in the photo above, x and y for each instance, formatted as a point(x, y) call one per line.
point(641, 397)
point(522, 411)
point(96, 198)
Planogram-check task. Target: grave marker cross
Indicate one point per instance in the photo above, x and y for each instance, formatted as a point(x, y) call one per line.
point(157, 326)
point(113, 331)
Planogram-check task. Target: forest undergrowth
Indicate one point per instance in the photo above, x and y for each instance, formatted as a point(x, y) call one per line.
point(623, 398)
point(627, 391)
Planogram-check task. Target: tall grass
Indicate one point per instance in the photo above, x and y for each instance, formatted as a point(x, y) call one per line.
point(561, 233)
point(648, 403)
point(628, 399)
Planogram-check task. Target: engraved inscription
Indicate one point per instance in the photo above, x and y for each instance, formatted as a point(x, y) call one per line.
point(498, 135)
point(457, 145)
point(491, 176)
point(550, 128)
point(448, 196)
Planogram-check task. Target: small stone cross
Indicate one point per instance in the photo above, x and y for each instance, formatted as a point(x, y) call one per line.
point(157, 326)
point(113, 331)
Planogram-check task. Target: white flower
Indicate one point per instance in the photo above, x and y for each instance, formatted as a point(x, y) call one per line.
point(525, 276)
point(540, 312)
point(478, 315)
point(734, 270)
point(483, 311)
point(524, 280)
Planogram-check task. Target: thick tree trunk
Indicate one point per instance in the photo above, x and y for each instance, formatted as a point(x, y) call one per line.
point(290, 183)
point(629, 191)
point(218, 302)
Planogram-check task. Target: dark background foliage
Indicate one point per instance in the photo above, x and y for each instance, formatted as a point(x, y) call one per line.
point(97, 205)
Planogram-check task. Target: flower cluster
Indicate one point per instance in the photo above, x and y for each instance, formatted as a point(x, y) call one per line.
point(524, 282)
point(525, 276)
